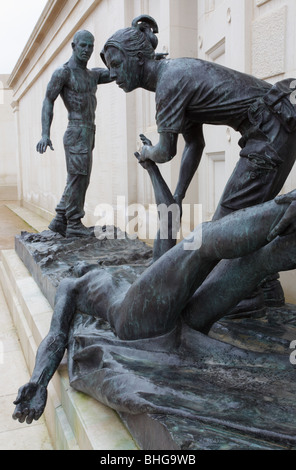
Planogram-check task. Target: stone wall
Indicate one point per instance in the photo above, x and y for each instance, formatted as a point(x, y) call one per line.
point(8, 174)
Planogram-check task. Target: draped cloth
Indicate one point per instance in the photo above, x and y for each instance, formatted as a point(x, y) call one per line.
point(208, 394)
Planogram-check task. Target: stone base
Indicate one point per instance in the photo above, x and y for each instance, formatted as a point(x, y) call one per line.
point(232, 390)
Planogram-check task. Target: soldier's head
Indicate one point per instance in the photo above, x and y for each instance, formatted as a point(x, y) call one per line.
point(83, 45)
point(127, 50)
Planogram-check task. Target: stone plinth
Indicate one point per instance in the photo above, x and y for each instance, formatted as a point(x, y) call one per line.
point(233, 389)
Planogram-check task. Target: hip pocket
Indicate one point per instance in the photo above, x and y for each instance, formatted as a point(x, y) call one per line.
point(78, 163)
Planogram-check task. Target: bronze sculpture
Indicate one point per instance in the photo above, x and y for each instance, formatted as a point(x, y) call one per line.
point(163, 295)
point(192, 92)
point(248, 244)
point(77, 86)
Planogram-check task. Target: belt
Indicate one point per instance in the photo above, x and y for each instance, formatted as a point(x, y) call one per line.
point(81, 123)
point(244, 126)
point(249, 122)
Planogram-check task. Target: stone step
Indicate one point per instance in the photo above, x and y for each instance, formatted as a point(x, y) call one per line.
point(35, 221)
point(74, 420)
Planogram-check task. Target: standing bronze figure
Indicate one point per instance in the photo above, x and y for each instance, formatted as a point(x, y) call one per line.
point(77, 86)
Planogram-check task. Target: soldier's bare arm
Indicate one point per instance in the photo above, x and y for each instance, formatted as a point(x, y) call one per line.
point(54, 88)
point(103, 75)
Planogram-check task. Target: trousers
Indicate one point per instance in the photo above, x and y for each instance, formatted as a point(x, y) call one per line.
point(79, 142)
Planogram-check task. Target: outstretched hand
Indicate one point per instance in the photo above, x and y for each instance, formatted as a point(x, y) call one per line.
point(30, 402)
point(287, 224)
point(43, 144)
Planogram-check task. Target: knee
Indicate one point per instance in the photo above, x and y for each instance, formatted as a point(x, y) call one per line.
point(67, 286)
point(199, 240)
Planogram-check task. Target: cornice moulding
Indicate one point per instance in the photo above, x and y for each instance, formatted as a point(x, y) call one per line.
point(26, 70)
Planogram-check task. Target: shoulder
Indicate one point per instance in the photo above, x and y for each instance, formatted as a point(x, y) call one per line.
point(175, 70)
point(102, 75)
point(184, 64)
point(177, 74)
point(95, 73)
point(57, 82)
point(61, 73)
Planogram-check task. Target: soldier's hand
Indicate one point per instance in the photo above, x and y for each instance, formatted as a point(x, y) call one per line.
point(287, 224)
point(43, 144)
point(30, 402)
point(284, 198)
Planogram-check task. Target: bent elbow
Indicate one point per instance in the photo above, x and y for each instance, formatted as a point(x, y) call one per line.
point(166, 149)
point(165, 157)
point(168, 154)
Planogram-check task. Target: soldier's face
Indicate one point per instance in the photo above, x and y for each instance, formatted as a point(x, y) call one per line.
point(83, 48)
point(125, 70)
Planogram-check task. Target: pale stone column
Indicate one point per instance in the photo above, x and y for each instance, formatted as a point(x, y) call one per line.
point(15, 107)
point(7, 137)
